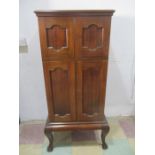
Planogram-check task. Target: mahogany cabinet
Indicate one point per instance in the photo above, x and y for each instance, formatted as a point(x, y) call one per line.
point(75, 47)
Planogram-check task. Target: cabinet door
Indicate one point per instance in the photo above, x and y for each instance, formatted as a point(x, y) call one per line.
point(56, 35)
point(60, 90)
point(92, 36)
point(91, 87)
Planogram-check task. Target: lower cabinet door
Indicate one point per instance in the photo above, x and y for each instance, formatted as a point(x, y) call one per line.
point(60, 90)
point(91, 88)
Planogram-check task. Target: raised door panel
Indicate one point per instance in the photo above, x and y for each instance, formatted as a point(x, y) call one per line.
point(60, 90)
point(92, 35)
point(56, 36)
point(91, 87)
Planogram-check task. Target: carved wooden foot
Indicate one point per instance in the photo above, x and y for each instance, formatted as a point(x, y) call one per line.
point(50, 138)
point(103, 135)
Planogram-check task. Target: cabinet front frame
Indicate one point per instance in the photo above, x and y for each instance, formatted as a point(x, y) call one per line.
point(76, 56)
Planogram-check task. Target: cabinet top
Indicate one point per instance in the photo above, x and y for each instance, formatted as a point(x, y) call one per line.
point(43, 13)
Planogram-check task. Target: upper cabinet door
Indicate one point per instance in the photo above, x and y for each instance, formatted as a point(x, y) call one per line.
point(56, 36)
point(60, 90)
point(92, 36)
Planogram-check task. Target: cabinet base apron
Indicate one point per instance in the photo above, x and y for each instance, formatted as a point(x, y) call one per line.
point(65, 126)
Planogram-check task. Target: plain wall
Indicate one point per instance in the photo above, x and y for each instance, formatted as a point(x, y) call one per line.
point(120, 83)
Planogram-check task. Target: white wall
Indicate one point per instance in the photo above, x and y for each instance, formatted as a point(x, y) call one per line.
point(120, 84)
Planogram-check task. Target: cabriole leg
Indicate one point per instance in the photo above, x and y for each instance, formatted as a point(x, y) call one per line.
point(50, 138)
point(103, 135)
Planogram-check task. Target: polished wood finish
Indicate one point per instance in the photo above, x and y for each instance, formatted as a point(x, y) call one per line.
point(75, 47)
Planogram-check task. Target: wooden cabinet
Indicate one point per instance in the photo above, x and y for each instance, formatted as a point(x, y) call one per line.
point(75, 47)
